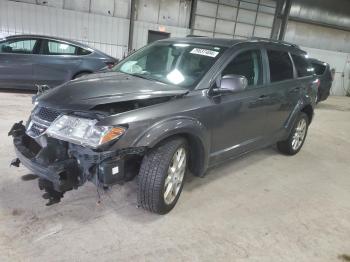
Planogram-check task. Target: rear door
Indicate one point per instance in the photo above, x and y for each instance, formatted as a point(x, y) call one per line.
point(57, 63)
point(241, 116)
point(16, 62)
point(283, 92)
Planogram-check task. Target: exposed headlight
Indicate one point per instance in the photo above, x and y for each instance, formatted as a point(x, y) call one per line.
point(83, 131)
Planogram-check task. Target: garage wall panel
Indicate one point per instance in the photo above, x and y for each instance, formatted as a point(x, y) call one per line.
point(122, 8)
point(244, 30)
point(206, 9)
point(104, 7)
point(110, 34)
point(238, 18)
point(224, 26)
point(77, 5)
point(264, 19)
point(246, 16)
point(140, 37)
point(264, 32)
point(227, 12)
point(52, 3)
point(204, 23)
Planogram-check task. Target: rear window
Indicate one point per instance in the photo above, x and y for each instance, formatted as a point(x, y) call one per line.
point(281, 67)
point(302, 66)
point(60, 48)
point(318, 68)
point(82, 51)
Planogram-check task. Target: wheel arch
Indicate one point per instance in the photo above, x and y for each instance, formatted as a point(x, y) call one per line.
point(309, 111)
point(194, 133)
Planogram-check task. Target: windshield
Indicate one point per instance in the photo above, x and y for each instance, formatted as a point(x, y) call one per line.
point(172, 63)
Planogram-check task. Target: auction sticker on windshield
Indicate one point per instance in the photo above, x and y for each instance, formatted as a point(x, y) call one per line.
point(205, 52)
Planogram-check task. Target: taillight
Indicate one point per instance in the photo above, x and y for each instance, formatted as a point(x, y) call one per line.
point(110, 64)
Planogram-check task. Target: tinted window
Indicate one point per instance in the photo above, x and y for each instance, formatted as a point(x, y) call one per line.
point(318, 68)
point(23, 46)
point(302, 66)
point(60, 48)
point(246, 64)
point(281, 67)
point(82, 51)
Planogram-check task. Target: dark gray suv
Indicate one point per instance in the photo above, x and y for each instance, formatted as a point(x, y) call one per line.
point(173, 106)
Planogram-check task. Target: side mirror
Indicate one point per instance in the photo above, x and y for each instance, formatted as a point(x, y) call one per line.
point(231, 84)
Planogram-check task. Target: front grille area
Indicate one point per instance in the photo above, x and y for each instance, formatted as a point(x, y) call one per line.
point(41, 119)
point(36, 130)
point(47, 114)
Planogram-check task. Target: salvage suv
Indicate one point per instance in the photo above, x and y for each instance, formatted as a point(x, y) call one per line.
point(173, 106)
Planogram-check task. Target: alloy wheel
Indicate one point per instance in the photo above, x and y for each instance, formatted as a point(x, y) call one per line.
point(176, 173)
point(299, 134)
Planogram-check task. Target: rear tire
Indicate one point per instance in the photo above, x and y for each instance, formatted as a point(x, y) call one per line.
point(297, 136)
point(161, 176)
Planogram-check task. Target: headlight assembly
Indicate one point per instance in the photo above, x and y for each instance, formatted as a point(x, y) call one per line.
point(83, 131)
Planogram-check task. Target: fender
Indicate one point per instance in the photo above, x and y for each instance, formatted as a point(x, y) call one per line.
point(302, 103)
point(197, 133)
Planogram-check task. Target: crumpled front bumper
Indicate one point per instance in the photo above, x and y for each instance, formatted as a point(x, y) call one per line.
point(62, 166)
point(51, 172)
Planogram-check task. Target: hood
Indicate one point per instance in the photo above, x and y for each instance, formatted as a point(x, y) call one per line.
point(103, 88)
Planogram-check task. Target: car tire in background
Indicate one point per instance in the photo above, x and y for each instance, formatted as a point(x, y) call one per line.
point(162, 175)
point(297, 136)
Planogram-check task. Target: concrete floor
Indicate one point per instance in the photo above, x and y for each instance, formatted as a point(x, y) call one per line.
point(262, 207)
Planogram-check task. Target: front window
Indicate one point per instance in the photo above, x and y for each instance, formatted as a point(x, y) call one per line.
point(248, 64)
point(18, 46)
point(172, 63)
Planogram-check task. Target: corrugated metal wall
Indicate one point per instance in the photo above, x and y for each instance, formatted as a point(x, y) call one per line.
point(106, 33)
point(171, 16)
point(234, 18)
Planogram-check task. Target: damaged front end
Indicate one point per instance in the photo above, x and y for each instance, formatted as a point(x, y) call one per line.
point(63, 166)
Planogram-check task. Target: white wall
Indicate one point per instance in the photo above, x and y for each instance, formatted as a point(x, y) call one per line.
point(102, 24)
point(328, 45)
point(106, 33)
point(317, 36)
point(340, 62)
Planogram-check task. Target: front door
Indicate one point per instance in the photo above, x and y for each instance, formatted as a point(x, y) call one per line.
point(240, 116)
point(16, 63)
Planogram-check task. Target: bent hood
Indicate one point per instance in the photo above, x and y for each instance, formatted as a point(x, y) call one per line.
point(104, 88)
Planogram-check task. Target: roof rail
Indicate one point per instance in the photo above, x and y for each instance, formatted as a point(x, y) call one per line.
point(275, 41)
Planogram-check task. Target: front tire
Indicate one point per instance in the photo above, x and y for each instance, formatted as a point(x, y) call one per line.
point(296, 138)
point(161, 176)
